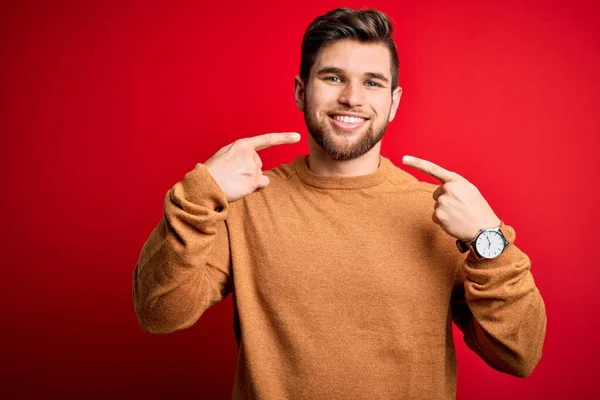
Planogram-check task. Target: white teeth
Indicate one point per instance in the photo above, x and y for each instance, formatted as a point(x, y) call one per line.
point(348, 120)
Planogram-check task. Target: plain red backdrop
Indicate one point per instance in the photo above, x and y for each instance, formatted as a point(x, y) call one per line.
point(104, 105)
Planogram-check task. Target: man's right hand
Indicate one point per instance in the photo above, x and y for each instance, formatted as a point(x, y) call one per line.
point(237, 168)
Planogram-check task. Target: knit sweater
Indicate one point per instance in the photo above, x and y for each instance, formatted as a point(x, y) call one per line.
point(343, 287)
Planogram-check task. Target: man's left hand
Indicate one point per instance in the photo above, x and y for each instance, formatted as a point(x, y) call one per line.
point(460, 209)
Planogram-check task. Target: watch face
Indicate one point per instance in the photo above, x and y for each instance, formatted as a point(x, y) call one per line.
point(489, 244)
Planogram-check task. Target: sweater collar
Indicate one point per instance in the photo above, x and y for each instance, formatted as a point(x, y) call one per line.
point(342, 182)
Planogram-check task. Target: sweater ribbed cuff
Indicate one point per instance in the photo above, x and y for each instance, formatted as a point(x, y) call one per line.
point(200, 188)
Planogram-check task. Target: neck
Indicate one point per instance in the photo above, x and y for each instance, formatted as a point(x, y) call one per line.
point(321, 163)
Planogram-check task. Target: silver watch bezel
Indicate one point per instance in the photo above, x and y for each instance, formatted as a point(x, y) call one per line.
point(483, 231)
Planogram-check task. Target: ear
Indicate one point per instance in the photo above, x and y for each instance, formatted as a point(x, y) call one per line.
point(299, 92)
point(396, 94)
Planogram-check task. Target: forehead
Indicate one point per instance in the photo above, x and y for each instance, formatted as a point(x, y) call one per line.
point(355, 57)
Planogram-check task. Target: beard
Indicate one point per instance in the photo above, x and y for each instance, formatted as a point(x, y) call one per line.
point(322, 132)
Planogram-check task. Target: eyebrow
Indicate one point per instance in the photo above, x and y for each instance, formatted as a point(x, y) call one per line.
point(335, 70)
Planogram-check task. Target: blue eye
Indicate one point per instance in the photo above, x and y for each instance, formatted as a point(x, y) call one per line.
point(373, 84)
point(329, 78)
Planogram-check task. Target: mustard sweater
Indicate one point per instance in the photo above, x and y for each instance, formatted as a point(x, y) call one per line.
point(343, 287)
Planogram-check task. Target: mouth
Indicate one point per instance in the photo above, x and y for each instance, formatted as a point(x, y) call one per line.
point(348, 122)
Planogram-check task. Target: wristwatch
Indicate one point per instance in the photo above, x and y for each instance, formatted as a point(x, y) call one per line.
point(488, 244)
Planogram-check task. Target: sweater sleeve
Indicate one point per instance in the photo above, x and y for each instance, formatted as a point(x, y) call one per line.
point(499, 309)
point(184, 266)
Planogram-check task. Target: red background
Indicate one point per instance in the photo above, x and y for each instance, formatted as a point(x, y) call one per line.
point(104, 105)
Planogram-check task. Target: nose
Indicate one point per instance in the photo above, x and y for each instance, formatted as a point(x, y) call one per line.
point(351, 95)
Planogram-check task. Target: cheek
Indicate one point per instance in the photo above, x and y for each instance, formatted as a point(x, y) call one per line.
point(312, 101)
point(381, 106)
point(321, 97)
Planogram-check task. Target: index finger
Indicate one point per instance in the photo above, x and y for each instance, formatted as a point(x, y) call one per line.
point(429, 168)
point(272, 139)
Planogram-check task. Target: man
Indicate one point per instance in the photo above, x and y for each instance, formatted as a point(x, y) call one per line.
point(346, 272)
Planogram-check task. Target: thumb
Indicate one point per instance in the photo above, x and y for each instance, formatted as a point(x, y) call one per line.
point(263, 181)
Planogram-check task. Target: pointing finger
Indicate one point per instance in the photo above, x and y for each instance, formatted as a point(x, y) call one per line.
point(272, 139)
point(430, 168)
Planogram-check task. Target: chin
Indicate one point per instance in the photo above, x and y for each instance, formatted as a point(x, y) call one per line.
point(342, 145)
point(347, 151)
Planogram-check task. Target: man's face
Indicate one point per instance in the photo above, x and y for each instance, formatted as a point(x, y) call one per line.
point(347, 101)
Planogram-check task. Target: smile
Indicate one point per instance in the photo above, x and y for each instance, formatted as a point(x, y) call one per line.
point(347, 123)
